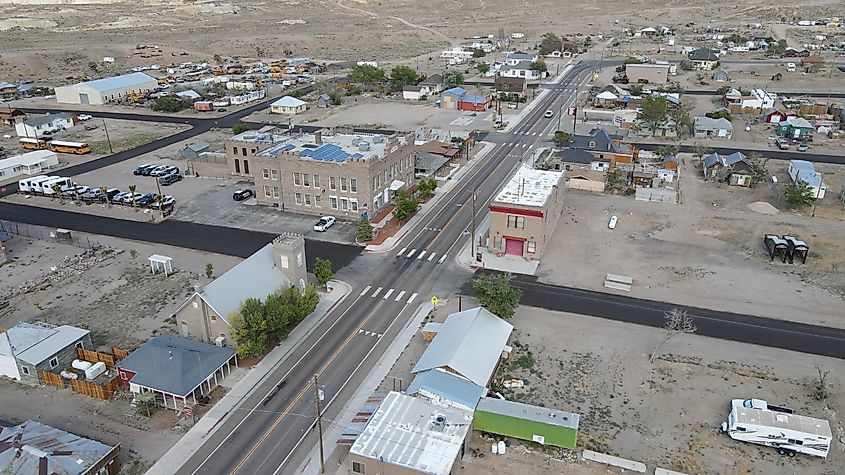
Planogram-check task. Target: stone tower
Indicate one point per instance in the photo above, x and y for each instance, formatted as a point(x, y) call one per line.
point(289, 257)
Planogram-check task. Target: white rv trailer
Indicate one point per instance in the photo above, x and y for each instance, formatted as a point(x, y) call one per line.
point(37, 186)
point(755, 421)
point(25, 185)
point(64, 183)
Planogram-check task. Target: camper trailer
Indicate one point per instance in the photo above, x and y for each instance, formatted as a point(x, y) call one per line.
point(757, 422)
point(63, 182)
point(26, 185)
point(37, 185)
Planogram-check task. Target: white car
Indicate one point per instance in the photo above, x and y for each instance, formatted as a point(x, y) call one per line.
point(549, 114)
point(84, 117)
point(612, 223)
point(167, 201)
point(324, 223)
point(128, 198)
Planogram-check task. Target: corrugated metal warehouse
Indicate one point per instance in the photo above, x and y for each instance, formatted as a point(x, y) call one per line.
point(102, 91)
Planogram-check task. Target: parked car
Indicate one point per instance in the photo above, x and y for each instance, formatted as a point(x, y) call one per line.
point(119, 196)
point(324, 223)
point(145, 200)
point(782, 144)
point(240, 195)
point(79, 190)
point(164, 170)
point(140, 170)
point(166, 202)
point(802, 147)
point(148, 169)
point(612, 223)
point(111, 193)
point(127, 199)
point(84, 117)
point(169, 179)
point(95, 195)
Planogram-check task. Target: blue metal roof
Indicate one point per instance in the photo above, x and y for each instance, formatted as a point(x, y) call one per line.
point(456, 91)
point(329, 153)
point(119, 82)
point(447, 386)
point(475, 99)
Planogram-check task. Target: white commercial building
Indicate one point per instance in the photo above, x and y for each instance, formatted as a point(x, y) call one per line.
point(38, 127)
point(102, 91)
point(457, 53)
point(30, 163)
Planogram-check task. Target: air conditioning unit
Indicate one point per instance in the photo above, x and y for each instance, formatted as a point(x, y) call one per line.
point(220, 341)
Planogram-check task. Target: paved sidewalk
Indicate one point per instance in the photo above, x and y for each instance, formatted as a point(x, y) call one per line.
point(172, 461)
point(441, 191)
point(311, 465)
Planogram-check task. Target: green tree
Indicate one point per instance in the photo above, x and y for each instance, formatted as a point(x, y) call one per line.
point(686, 65)
point(57, 191)
point(404, 205)
point(798, 194)
point(495, 293)
point(549, 43)
point(588, 41)
point(777, 47)
point(401, 76)
point(240, 128)
point(478, 53)
point(452, 78)
point(540, 65)
point(217, 58)
point(323, 271)
point(367, 75)
point(636, 90)
point(301, 303)
point(209, 270)
point(632, 60)
point(653, 112)
point(665, 151)
point(168, 104)
point(364, 230)
point(561, 138)
point(250, 328)
point(279, 315)
point(681, 116)
point(483, 68)
point(759, 168)
point(427, 186)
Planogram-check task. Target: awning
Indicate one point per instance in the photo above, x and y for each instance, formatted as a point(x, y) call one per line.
point(395, 185)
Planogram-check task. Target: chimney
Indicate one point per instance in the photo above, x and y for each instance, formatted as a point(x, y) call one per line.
point(318, 137)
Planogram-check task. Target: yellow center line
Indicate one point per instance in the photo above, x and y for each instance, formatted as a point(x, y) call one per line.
point(303, 391)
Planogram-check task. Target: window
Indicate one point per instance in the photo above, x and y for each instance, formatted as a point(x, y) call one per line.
point(344, 204)
point(237, 166)
point(54, 362)
point(316, 181)
point(532, 246)
point(297, 179)
point(299, 259)
point(306, 179)
point(25, 370)
point(358, 467)
point(267, 191)
point(213, 317)
point(343, 184)
point(353, 205)
point(332, 183)
point(275, 192)
point(317, 201)
point(274, 174)
point(333, 201)
point(246, 167)
point(592, 144)
point(297, 197)
point(235, 150)
point(307, 199)
point(283, 260)
point(79, 344)
point(497, 242)
point(353, 185)
point(243, 151)
point(265, 173)
point(517, 222)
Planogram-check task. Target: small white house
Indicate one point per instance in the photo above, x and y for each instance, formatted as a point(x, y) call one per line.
point(804, 170)
point(288, 105)
point(457, 53)
point(31, 163)
point(522, 70)
point(37, 127)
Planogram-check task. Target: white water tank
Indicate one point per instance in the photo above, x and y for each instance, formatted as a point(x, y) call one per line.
point(95, 370)
point(81, 365)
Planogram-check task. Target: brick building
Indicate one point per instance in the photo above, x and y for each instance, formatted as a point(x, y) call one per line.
point(327, 172)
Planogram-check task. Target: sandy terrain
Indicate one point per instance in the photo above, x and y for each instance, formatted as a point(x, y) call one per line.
point(704, 252)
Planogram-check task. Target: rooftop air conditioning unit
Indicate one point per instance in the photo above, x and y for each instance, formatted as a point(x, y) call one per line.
point(220, 341)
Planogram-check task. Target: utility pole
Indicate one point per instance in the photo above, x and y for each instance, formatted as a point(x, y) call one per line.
point(473, 225)
point(107, 136)
point(317, 397)
point(160, 198)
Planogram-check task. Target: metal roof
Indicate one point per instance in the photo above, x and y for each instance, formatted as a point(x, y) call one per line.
point(706, 123)
point(443, 386)
point(37, 441)
point(414, 433)
point(470, 343)
point(703, 54)
point(725, 160)
point(455, 91)
point(28, 159)
point(543, 415)
point(597, 140)
point(120, 82)
point(35, 343)
point(257, 277)
point(173, 364)
point(288, 101)
point(572, 155)
point(529, 187)
point(47, 119)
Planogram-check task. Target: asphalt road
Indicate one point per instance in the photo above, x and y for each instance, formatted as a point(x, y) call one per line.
point(766, 152)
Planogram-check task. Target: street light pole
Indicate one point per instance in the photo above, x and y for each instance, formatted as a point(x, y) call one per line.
point(473, 225)
point(319, 423)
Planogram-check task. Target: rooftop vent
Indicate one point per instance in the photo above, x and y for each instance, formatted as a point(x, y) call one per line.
point(363, 146)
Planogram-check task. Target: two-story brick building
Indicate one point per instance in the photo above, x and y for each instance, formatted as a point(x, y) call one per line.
point(327, 172)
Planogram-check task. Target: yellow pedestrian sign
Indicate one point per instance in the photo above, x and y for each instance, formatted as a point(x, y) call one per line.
point(434, 300)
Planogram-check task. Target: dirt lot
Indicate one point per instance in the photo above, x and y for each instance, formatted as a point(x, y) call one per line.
point(704, 252)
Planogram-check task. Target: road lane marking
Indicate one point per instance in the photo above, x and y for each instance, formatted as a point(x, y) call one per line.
point(430, 257)
point(411, 253)
point(387, 295)
point(399, 297)
point(367, 289)
point(443, 258)
point(412, 297)
point(375, 294)
point(422, 253)
point(402, 252)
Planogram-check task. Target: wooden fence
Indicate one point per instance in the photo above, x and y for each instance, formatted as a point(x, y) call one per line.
point(110, 359)
point(105, 391)
point(52, 379)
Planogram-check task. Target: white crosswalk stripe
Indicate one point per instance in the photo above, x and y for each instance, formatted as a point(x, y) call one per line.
point(388, 294)
point(430, 257)
point(524, 145)
point(411, 253)
point(375, 294)
point(402, 252)
point(399, 297)
point(422, 253)
point(442, 258)
point(412, 297)
point(366, 289)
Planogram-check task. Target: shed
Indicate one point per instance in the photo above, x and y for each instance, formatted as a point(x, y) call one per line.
point(193, 150)
point(537, 424)
point(324, 100)
point(11, 116)
point(288, 105)
point(28, 348)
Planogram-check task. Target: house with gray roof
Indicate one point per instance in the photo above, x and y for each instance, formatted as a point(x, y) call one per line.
point(469, 344)
point(603, 145)
point(103, 91)
point(44, 125)
point(443, 386)
point(733, 168)
point(703, 59)
point(28, 348)
point(205, 315)
point(705, 127)
point(36, 448)
point(193, 150)
point(523, 69)
point(177, 370)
